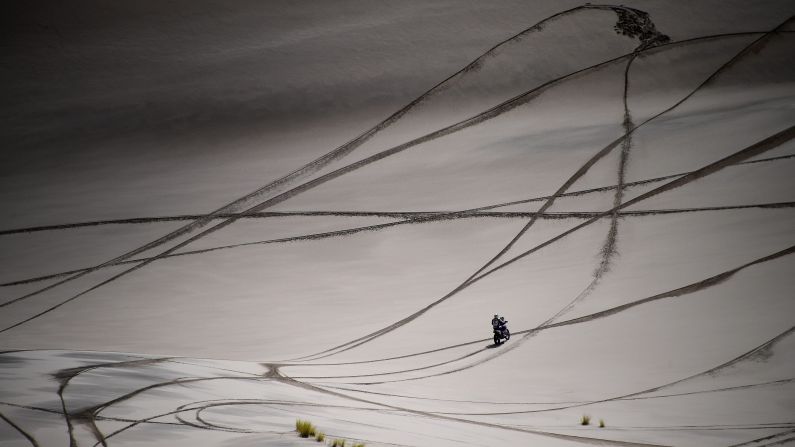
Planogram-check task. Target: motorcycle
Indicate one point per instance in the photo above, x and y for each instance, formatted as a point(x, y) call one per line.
point(500, 334)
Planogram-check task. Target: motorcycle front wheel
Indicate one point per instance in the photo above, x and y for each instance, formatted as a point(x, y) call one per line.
point(496, 339)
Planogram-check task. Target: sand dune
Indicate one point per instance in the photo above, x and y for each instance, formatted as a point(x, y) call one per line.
point(614, 179)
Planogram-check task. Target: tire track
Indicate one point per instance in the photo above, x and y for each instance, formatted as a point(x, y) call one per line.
point(686, 290)
point(201, 405)
point(385, 214)
point(21, 431)
point(211, 367)
point(443, 400)
point(779, 442)
point(97, 409)
point(627, 185)
point(29, 407)
point(717, 390)
point(93, 412)
point(65, 376)
point(423, 217)
point(620, 399)
point(718, 427)
point(200, 425)
point(609, 249)
point(100, 418)
point(473, 353)
point(480, 402)
point(766, 438)
point(137, 422)
point(419, 368)
point(713, 427)
point(67, 416)
point(491, 113)
point(146, 420)
point(240, 402)
point(210, 425)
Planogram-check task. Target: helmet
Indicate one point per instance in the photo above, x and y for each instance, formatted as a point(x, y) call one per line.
point(502, 318)
point(496, 316)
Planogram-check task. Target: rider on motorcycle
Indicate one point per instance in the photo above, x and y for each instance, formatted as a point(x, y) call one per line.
point(499, 323)
point(500, 329)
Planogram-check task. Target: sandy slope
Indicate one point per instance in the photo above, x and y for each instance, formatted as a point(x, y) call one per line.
point(626, 200)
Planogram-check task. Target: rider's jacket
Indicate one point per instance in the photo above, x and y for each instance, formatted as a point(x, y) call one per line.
point(496, 323)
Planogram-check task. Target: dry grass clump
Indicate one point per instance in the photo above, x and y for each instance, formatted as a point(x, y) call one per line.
point(304, 428)
point(585, 420)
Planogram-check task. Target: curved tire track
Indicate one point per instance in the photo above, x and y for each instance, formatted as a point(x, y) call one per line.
point(775, 438)
point(609, 249)
point(66, 375)
point(21, 431)
point(707, 391)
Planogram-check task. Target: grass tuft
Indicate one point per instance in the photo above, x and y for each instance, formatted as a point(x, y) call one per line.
point(585, 420)
point(304, 428)
point(601, 423)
